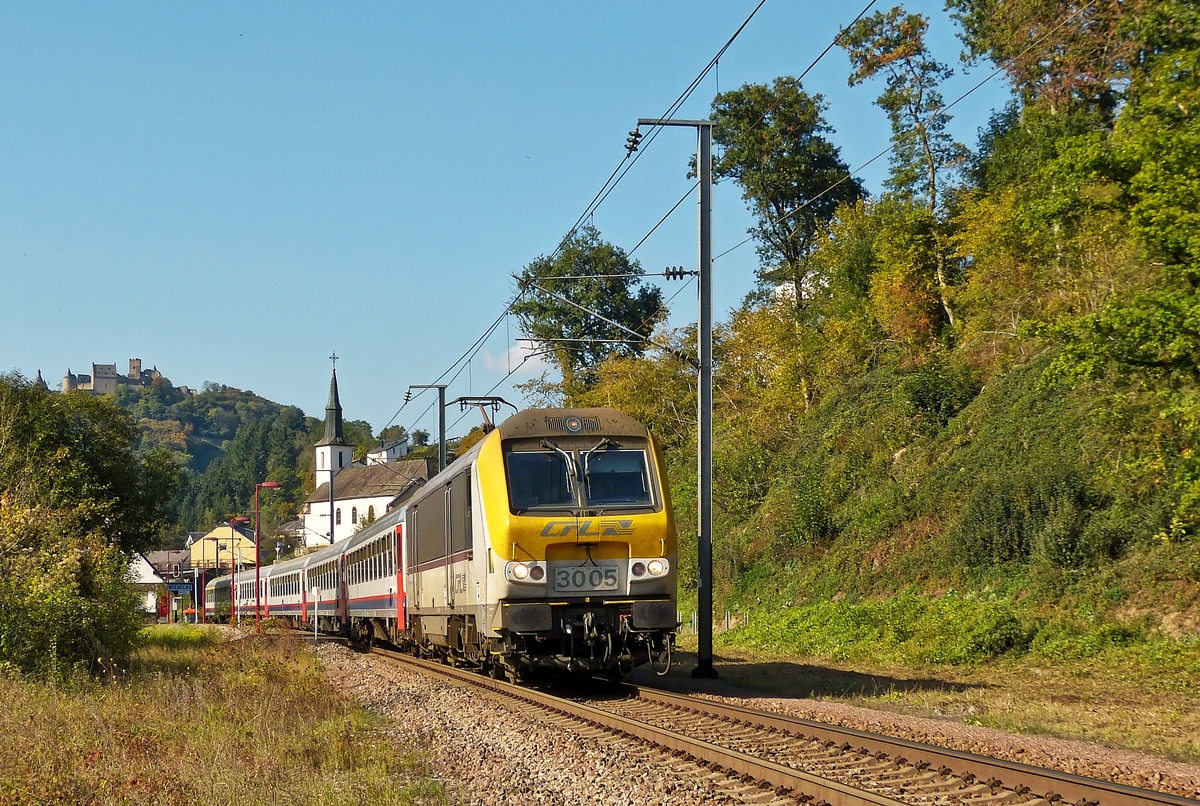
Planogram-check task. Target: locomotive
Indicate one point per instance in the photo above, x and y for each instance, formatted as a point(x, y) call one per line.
point(549, 545)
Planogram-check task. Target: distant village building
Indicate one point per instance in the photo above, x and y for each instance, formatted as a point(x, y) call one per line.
point(105, 380)
point(388, 453)
point(142, 575)
point(221, 549)
point(172, 565)
point(361, 492)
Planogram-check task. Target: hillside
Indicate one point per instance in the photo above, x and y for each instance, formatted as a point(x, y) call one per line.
point(959, 419)
point(227, 440)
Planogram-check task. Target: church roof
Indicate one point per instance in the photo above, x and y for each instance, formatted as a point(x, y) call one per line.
point(333, 417)
point(374, 481)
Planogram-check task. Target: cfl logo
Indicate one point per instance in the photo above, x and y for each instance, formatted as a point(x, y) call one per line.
point(603, 528)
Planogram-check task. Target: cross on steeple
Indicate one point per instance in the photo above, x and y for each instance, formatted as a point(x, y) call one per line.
point(334, 357)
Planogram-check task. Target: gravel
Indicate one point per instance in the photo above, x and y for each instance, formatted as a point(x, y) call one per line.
point(485, 753)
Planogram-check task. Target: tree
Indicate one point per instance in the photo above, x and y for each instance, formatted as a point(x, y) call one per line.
point(75, 499)
point(1058, 52)
point(892, 43)
point(576, 339)
point(393, 433)
point(1157, 331)
point(791, 176)
point(77, 452)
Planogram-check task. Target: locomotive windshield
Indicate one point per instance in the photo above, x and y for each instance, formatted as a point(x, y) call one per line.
point(538, 479)
point(552, 479)
point(617, 478)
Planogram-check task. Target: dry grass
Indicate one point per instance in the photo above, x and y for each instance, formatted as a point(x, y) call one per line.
point(200, 720)
point(1126, 699)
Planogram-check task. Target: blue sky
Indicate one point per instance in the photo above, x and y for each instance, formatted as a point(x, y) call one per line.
point(231, 191)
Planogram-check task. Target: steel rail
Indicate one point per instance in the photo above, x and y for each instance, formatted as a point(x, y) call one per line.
point(1050, 784)
point(778, 776)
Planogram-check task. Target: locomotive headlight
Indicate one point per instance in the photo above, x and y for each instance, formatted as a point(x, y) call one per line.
point(656, 567)
point(529, 573)
point(639, 569)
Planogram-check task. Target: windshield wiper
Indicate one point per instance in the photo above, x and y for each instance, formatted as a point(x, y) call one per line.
point(568, 460)
point(602, 445)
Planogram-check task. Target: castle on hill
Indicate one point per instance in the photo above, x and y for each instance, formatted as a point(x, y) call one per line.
point(105, 379)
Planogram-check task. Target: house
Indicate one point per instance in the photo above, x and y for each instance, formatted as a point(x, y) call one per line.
point(172, 564)
point(359, 493)
point(142, 575)
point(388, 453)
point(222, 548)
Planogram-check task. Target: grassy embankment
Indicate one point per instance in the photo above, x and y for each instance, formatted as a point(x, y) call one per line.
point(1010, 563)
point(1129, 688)
point(199, 720)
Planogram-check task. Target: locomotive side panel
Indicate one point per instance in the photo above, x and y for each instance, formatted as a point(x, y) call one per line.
point(443, 605)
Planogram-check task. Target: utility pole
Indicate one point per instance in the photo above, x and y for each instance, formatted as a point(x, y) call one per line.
point(704, 401)
point(441, 387)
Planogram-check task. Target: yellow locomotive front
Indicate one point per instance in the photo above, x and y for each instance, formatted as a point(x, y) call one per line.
point(581, 544)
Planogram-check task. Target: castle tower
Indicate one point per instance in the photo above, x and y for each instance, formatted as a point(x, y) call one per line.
point(333, 453)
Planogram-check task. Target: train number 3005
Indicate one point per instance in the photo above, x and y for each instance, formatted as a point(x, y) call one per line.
point(586, 578)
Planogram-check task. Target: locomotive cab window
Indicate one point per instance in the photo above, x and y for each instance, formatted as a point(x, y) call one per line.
point(538, 479)
point(617, 478)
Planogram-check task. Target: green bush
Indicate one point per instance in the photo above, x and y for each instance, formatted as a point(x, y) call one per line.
point(1061, 639)
point(65, 605)
point(950, 629)
point(939, 389)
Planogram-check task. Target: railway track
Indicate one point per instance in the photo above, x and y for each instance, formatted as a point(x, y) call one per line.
point(765, 758)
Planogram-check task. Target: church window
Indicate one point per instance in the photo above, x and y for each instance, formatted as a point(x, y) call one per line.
point(354, 514)
point(321, 456)
point(341, 458)
point(371, 512)
point(337, 516)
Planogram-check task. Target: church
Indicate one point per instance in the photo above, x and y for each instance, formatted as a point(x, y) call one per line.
point(357, 493)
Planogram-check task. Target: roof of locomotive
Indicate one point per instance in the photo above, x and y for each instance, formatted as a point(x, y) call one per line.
point(569, 422)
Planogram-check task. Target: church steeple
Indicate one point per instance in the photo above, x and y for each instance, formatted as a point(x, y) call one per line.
point(333, 416)
point(333, 452)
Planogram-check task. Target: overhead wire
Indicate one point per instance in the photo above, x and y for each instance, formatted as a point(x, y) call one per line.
point(614, 179)
point(941, 110)
point(832, 43)
point(470, 353)
point(632, 157)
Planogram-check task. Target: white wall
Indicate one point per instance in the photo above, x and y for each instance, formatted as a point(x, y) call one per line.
point(316, 522)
